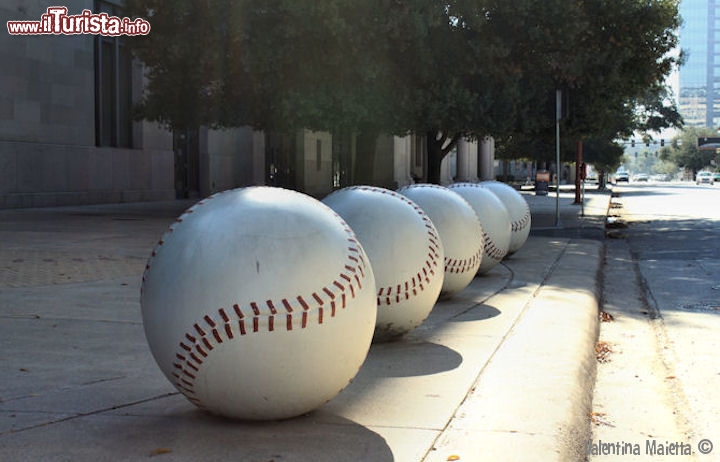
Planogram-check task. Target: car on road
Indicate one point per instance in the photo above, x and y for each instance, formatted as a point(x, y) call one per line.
point(622, 176)
point(640, 177)
point(704, 177)
point(716, 176)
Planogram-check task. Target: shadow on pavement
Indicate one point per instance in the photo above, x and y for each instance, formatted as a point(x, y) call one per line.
point(401, 359)
point(191, 434)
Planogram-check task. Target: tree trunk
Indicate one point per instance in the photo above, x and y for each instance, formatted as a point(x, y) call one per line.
point(434, 159)
point(365, 157)
point(438, 147)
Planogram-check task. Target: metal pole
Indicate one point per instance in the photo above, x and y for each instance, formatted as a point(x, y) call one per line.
point(558, 115)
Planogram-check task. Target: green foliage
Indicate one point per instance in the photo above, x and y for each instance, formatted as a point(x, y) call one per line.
point(603, 154)
point(448, 70)
point(683, 150)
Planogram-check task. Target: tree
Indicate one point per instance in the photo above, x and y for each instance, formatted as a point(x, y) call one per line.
point(478, 66)
point(447, 71)
point(604, 155)
point(684, 151)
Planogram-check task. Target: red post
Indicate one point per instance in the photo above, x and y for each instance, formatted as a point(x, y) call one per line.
point(578, 173)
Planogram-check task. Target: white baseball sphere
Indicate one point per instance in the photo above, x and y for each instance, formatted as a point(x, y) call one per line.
point(494, 219)
point(459, 230)
point(404, 251)
point(259, 303)
point(518, 210)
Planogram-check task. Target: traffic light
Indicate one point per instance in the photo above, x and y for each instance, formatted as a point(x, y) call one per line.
point(632, 143)
point(662, 142)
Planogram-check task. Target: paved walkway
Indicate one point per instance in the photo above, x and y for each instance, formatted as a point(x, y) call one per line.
point(502, 371)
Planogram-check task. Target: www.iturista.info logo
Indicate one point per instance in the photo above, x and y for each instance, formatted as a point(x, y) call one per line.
point(56, 21)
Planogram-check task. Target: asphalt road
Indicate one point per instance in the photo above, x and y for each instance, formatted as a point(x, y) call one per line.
point(658, 383)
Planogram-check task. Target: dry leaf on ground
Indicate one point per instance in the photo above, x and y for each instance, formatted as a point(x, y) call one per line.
point(602, 352)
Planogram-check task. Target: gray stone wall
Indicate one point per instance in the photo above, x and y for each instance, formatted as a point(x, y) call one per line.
point(48, 154)
point(42, 175)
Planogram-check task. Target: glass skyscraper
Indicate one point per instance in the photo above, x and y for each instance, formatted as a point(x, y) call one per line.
point(699, 89)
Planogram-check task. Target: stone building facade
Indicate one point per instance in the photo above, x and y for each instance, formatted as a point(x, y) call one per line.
point(67, 136)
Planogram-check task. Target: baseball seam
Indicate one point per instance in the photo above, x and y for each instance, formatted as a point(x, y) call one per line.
point(492, 250)
point(455, 265)
point(403, 290)
point(521, 224)
point(458, 266)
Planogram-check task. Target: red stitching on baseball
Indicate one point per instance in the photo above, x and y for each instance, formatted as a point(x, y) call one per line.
point(521, 223)
point(238, 312)
point(492, 250)
point(271, 306)
point(317, 298)
point(223, 315)
point(254, 307)
point(303, 303)
point(433, 240)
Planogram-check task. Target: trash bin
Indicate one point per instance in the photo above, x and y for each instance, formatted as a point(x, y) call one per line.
point(542, 182)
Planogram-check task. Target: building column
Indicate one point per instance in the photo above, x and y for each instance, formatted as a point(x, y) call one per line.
point(467, 161)
point(487, 159)
point(448, 168)
point(402, 161)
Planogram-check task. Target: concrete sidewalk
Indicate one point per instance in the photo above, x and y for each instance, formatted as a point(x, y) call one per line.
point(502, 371)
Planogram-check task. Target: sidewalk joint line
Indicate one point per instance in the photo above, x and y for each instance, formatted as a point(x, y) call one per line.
point(85, 414)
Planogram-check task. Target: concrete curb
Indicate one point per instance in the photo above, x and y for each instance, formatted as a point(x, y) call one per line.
point(509, 421)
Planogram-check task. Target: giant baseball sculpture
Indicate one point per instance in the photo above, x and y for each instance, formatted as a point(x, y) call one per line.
point(494, 219)
point(518, 210)
point(404, 251)
point(259, 303)
point(459, 229)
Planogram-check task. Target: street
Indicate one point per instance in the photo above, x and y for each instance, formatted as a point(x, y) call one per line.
point(659, 352)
